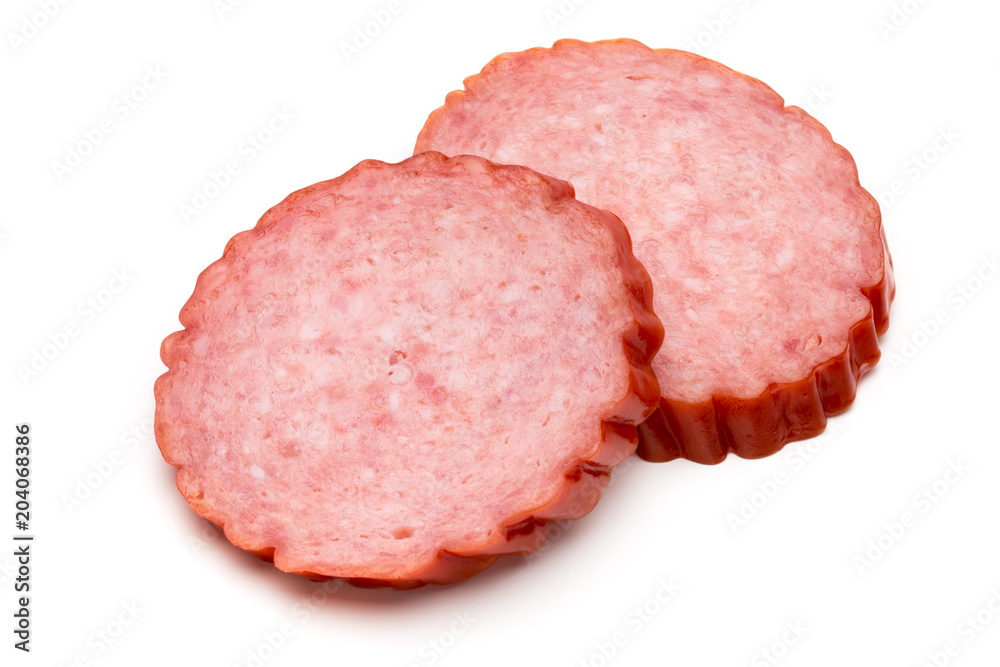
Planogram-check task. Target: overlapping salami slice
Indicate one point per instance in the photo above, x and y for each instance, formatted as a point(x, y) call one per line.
point(769, 263)
point(404, 372)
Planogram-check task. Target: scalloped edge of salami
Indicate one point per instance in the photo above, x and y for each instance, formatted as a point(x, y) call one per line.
point(583, 481)
point(784, 412)
point(705, 432)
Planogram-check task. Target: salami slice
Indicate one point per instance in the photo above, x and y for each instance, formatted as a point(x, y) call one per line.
point(769, 262)
point(402, 373)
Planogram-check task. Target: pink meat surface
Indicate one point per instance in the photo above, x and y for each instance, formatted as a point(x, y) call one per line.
point(404, 372)
point(768, 260)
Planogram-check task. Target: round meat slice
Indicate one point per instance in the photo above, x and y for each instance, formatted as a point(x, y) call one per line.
point(404, 372)
point(769, 264)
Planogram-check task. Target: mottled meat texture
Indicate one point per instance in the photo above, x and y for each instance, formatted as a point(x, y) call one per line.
point(768, 260)
point(403, 372)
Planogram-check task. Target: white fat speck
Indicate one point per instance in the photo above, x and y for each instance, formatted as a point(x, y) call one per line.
point(785, 256)
point(310, 331)
point(260, 402)
point(693, 284)
point(387, 333)
point(511, 292)
point(560, 398)
point(401, 374)
point(437, 294)
point(356, 305)
point(257, 471)
point(200, 345)
point(221, 451)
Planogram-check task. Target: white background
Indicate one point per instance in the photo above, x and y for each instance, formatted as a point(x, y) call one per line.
point(929, 406)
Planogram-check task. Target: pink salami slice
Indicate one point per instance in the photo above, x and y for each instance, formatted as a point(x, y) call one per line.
point(402, 373)
point(769, 263)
